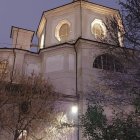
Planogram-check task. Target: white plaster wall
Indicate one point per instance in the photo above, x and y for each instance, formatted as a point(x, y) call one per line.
point(88, 17)
point(71, 62)
point(59, 68)
point(55, 63)
point(21, 39)
point(32, 64)
point(19, 60)
point(87, 75)
point(32, 69)
point(72, 15)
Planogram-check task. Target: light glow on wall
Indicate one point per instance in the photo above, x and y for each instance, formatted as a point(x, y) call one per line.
point(120, 37)
point(42, 41)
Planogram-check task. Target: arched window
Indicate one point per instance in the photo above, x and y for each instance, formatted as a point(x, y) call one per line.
point(3, 66)
point(108, 62)
point(98, 29)
point(64, 32)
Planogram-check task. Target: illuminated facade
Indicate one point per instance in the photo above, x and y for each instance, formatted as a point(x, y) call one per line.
point(72, 52)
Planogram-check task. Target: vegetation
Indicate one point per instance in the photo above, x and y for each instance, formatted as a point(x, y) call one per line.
point(97, 127)
point(27, 108)
point(131, 19)
point(120, 124)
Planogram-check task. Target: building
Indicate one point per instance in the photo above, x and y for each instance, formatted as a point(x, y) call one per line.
point(73, 49)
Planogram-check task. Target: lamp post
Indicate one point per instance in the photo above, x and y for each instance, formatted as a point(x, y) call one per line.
point(72, 120)
point(75, 111)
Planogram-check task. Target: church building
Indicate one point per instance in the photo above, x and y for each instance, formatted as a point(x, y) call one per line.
point(74, 49)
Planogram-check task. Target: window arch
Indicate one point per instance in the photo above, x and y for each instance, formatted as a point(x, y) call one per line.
point(108, 62)
point(98, 29)
point(62, 30)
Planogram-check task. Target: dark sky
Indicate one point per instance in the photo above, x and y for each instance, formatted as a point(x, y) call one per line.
point(27, 14)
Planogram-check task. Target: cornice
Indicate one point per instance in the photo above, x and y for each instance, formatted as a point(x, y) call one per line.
point(66, 45)
point(55, 47)
point(99, 8)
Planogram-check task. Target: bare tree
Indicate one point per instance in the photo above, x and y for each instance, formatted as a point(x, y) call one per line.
point(25, 105)
point(115, 89)
point(131, 19)
point(31, 109)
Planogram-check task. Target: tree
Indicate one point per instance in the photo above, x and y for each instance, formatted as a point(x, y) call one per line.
point(27, 107)
point(93, 123)
point(106, 117)
point(117, 88)
point(131, 19)
point(31, 109)
point(96, 127)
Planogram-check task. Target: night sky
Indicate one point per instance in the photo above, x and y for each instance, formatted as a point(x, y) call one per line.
point(27, 13)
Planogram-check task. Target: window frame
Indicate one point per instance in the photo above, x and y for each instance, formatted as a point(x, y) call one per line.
point(58, 27)
point(64, 32)
point(103, 27)
point(108, 62)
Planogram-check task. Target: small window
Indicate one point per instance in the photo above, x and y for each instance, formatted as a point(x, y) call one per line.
point(3, 67)
point(64, 32)
point(108, 62)
point(98, 29)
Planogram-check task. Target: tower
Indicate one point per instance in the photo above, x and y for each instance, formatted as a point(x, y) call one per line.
point(70, 28)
